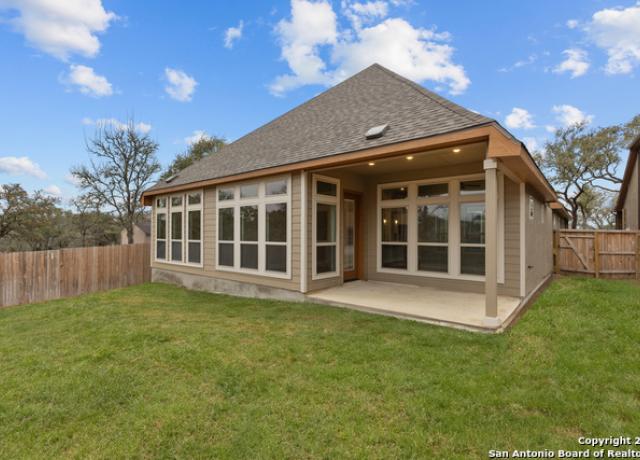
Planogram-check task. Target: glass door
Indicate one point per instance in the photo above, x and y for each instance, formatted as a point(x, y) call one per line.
point(350, 248)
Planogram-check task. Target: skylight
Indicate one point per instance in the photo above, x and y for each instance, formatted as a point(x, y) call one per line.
point(377, 131)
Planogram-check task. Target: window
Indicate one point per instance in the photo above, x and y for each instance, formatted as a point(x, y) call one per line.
point(178, 228)
point(161, 233)
point(394, 237)
point(399, 193)
point(249, 236)
point(472, 233)
point(433, 237)
point(435, 227)
point(226, 231)
point(254, 228)
point(325, 227)
point(194, 228)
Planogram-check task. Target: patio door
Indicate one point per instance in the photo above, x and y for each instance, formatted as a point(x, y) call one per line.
point(351, 238)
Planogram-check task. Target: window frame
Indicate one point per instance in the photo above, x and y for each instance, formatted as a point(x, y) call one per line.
point(261, 201)
point(453, 200)
point(184, 210)
point(164, 211)
point(328, 200)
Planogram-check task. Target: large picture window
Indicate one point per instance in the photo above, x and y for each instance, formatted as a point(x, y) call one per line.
point(325, 227)
point(433, 228)
point(254, 227)
point(178, 228)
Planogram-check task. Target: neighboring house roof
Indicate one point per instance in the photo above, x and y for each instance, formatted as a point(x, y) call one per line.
point(634, 148)
point(335, 122)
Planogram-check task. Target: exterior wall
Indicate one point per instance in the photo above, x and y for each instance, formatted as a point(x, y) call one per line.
point(210, 247)
point(138, 236)
point(511, 284)
point(631, 203)
point(539, 238)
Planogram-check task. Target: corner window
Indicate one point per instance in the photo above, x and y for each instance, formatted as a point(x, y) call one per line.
point(254, 228)
point(325, 227)
point(178, 228)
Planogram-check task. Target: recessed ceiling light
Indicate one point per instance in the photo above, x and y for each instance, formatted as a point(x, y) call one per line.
point(410, 158)
point(371, 163)
point(457, 150)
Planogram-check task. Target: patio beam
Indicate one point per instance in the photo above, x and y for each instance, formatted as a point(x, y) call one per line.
point(491, 243)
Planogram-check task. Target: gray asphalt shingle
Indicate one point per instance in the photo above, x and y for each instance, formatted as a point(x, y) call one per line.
point(335, 122)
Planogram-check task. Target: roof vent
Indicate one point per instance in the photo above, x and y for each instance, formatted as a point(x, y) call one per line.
point(377, 131)
point(170, 178)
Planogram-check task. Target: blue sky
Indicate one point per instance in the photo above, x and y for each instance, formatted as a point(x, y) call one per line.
point(225, 68)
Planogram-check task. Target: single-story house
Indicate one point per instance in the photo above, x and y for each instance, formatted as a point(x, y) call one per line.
point(628, 203)
point(434, 211)
point(141, 233)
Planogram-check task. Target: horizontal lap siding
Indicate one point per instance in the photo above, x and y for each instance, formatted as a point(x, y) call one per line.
point(539, 241)
point(209, 246)
point(511, 285)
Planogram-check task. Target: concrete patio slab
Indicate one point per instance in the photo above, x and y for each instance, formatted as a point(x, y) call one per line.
point(432, 305)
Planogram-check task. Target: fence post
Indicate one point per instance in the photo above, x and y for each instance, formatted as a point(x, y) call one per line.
point(596, 254)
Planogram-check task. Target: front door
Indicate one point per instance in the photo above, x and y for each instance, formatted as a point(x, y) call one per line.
point(351, 235)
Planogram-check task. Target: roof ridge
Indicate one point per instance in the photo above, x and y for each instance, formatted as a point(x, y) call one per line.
point(436, 98)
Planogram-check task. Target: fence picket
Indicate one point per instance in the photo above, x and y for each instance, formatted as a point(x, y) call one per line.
point(27, 277)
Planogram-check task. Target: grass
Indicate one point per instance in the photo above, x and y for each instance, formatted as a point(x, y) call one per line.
point(158, 371)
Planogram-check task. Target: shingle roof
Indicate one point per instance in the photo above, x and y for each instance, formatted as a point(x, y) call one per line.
point(335, 122)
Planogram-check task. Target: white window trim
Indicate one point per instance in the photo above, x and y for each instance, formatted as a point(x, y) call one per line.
point(194, 207)
point(324, 199)
point(158, 211)
point(454, 199)
point(184, 208)
point(261, 201)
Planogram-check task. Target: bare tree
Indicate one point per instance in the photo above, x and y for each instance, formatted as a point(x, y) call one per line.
point(123, 164)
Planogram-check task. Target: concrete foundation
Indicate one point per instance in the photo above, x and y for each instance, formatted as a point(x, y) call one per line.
point(222, 286)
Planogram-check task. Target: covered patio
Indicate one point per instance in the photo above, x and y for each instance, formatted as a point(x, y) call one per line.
point(465, 310)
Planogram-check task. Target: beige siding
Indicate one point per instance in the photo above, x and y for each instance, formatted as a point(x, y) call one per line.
point(539, 238)
point(209, 257)
point(511, 284)
point(631, 205)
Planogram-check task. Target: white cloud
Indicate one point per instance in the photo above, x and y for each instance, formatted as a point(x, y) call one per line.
point(60, 27)
point(73, 180)
point(531, 143)
point(87, 81)
point(572, 23)
point(576, 63)
point(232, 34)
point(569, 115)
point(519, 119)
point(362, 13)
point(419, 54)
point(141, 127)
point(53, 190)
point(617, 31)
point(550, 129)
point(21, 166)
point(195, 137)
point(521, 63)
point(180, 85)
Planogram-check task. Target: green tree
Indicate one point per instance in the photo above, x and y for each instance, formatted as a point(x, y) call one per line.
point(200, 149)
point(123, 164)
point(583, 163)
point(28, 221)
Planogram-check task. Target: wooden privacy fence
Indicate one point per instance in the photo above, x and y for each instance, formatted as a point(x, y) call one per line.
point(27, 277)
point(600, 253)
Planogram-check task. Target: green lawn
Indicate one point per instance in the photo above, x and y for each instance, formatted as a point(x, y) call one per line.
point(157, 371)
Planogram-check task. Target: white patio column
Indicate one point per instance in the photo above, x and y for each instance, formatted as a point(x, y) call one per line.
point(491, 243)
